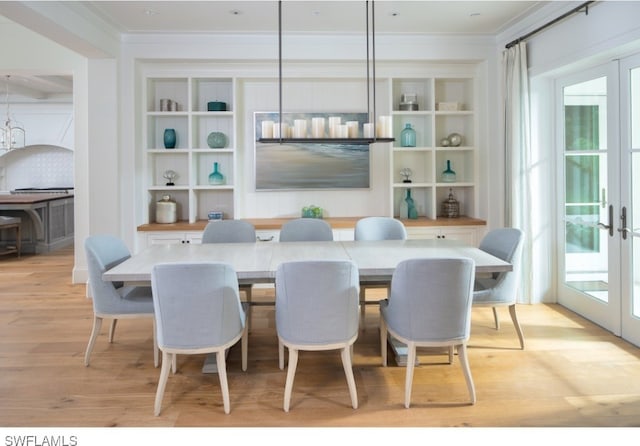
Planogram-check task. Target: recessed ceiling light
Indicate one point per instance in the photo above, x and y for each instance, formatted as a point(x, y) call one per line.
point(394, 14)
point(235, 12)
point(150, 12)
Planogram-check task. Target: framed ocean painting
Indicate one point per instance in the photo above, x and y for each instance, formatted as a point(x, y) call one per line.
point(302, 165)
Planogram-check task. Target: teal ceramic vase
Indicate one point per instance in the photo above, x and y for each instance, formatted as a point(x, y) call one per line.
point(169, 138)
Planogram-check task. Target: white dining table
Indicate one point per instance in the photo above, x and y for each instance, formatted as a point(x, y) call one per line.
point(256, 263)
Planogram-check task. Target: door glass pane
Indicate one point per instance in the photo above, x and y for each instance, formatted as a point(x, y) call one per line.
point(635, 188)
point(585, 167)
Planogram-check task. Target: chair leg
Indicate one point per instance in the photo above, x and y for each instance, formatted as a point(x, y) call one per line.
point(97, 324)
point(162, 382)
point(291, 372)
point(174, 363)
point(464, 362)
point(411, 363)
point(248, 291)
point(244, 346)
point(363, 305)
point(495, 318)
point(156, 359)
point(451, 354)
point(222, 374)
point(514, 318)
point(280, 354)
point(383, 341)
point(112, 330)
point(348, 371)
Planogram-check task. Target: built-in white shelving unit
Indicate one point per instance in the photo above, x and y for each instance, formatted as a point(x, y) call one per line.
point(192, 158)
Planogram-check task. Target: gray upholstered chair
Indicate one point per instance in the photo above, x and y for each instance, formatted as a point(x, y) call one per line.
point(429, 306)
point(501, 289)
point(229, 231)
point(376, 228)
point(315, 313)
point(113, 300)
point(306, 230)
point(198, 310)
point(232, 231)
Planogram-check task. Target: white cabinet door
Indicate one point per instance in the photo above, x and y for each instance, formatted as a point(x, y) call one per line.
point(466, 234)
point(173, 237)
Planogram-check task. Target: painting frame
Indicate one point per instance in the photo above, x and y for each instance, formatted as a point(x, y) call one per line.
point(325, 165)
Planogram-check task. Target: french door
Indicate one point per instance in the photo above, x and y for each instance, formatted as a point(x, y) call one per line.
point(599, 250)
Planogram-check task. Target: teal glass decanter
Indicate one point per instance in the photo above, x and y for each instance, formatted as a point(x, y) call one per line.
point(408, 137)
point(215, 177)
point(448, 175)
point(412, 211)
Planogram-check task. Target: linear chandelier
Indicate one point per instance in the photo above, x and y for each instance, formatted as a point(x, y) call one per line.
point(375, 135)
point(12, 135)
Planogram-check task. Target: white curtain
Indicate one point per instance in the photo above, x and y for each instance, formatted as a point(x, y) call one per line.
point(517, 154)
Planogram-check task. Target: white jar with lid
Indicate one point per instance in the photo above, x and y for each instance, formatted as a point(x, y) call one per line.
point(166, 210)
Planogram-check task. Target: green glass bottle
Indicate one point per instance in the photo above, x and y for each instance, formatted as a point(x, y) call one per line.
point(412, 211)
point(449, 175)
point(408, 136)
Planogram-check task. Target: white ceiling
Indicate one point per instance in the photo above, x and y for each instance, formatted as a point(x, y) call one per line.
point(484, 18)
point(432, 17)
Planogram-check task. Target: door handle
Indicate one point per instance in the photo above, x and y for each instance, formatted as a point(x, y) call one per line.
point(610, 225)
point(623, 223)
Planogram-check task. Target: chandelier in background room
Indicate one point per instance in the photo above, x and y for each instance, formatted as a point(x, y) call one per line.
point(12, 135)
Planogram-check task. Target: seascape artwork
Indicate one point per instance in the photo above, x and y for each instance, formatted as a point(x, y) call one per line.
point(290, 166)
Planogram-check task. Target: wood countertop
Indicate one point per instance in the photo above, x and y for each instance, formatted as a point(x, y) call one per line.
point(31, 198)
point(335, 222)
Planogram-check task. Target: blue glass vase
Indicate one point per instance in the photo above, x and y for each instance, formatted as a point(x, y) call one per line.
point(408, 137)
point(169, 138)
point(215, 177)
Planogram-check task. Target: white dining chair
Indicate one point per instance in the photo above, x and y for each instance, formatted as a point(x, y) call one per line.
point(501, 289)
point(113, 300)
point(315, 313)
point(306, 230)
point(198, 311)
point(430, 306)
point(376, 228)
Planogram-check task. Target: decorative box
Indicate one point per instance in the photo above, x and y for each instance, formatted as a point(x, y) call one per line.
point(215, 215)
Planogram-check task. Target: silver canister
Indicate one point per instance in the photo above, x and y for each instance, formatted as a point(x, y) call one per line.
point(166, 210)
point(166, 105)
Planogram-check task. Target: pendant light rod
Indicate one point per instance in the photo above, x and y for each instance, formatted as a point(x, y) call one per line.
point(280, 69)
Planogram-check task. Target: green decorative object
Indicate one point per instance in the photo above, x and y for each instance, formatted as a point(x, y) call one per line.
point(169, 138)
point(215, 177)
point(311, 212)
point(217, 140)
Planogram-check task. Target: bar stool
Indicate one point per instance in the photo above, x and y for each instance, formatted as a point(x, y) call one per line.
point(11, 223)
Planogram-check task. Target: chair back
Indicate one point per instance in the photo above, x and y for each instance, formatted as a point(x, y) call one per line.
point(431, 299)
point(380, 228)
point(317, 301)
point(506, 244)
point(229, 231)
point(103, 252)
point(306, 230)
point(197, 305)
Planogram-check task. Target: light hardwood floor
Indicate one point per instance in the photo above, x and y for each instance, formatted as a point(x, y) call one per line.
point(572, 373)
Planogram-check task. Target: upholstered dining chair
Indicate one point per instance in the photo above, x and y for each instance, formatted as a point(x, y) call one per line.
point(198, 310)
point(314, 313)
point(113, 300)
point(501, 289)
point(429, 306)
point(306, 230)
point(232, 231)
point(376, 228)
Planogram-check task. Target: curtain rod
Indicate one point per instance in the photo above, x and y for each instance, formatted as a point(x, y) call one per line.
point(584, 6)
